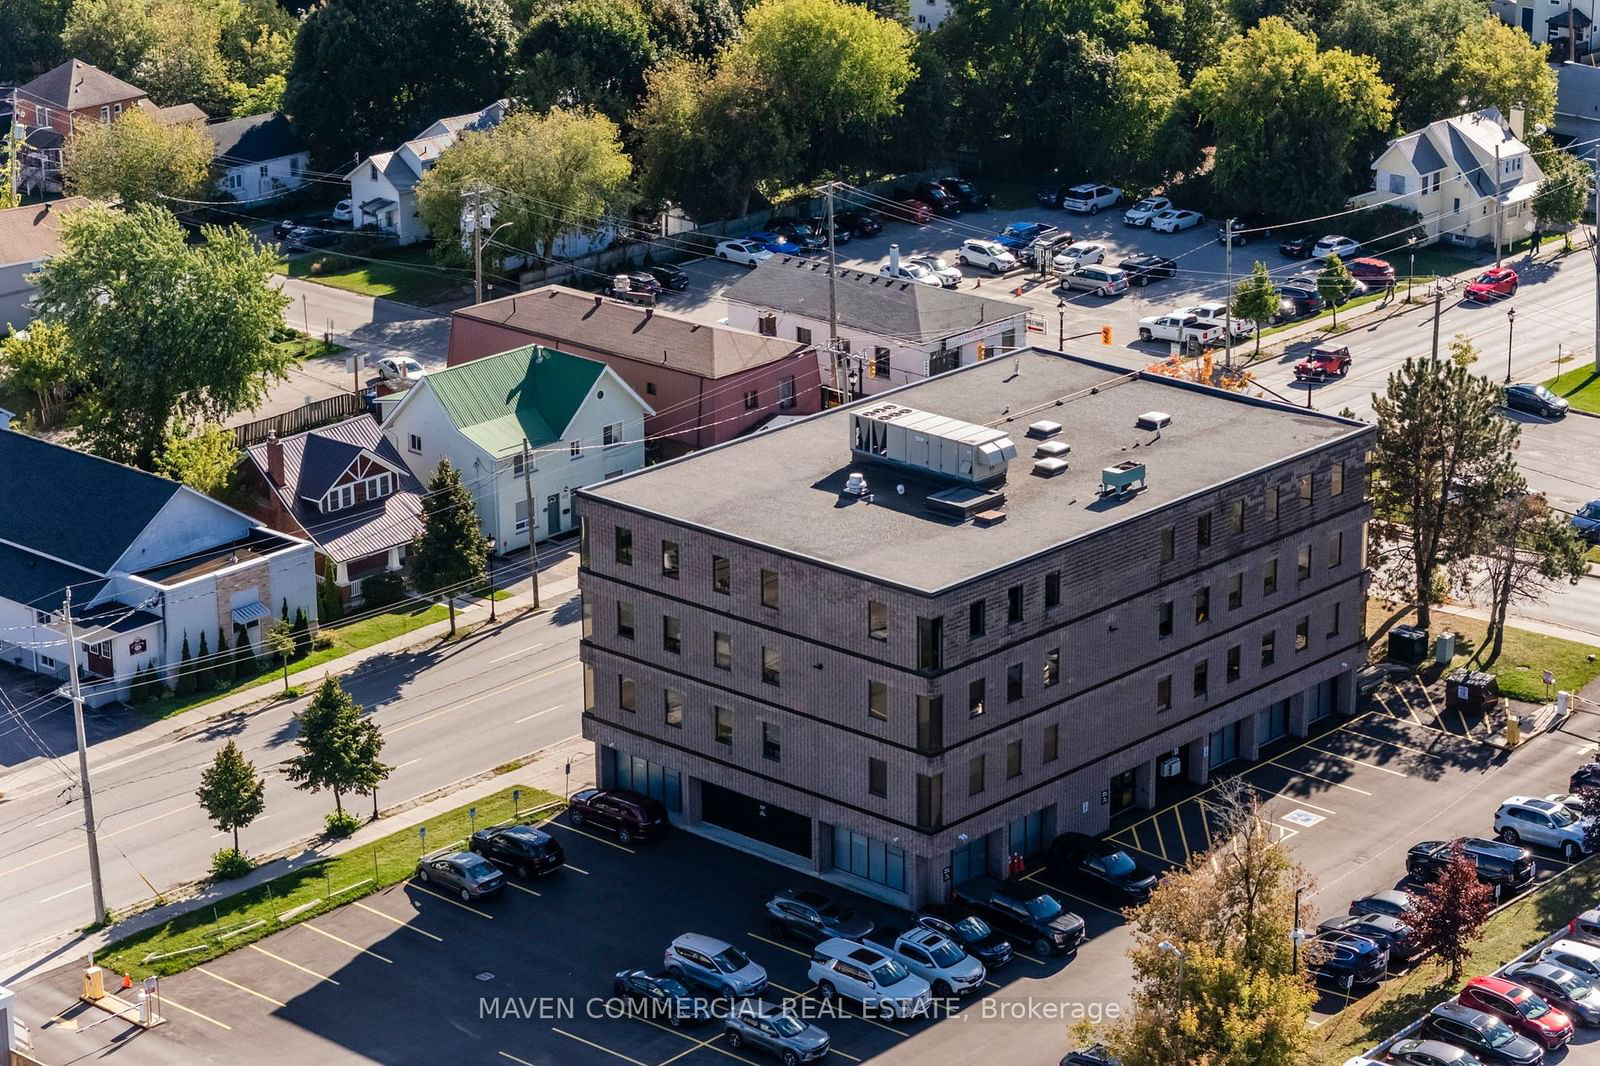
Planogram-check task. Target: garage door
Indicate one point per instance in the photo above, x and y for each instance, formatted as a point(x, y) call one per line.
point(765, 822)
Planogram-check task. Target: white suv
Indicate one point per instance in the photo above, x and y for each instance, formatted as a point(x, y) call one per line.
point(986, 254)
point(868, 976)
point(1582, 959)
point(1523, 819)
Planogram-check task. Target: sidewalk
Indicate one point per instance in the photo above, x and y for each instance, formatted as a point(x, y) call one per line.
point(1532, 625)
point(546, 769)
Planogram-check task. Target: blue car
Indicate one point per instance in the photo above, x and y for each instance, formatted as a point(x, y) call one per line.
point(1346, 959)
point(1019, 235)
point(774, 243)
point(1587, 522)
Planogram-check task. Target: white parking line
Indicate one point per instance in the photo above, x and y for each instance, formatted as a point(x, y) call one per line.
point(346, 943)
point(452, 902)
point(1358, 762)
point(292, 964)
point(1324, 780)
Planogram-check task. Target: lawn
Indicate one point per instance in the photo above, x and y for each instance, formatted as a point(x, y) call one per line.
point(1525, 654)
point(298, 345)
point(1326, 313)
point(407, 274)
point(1580, 386)
point(335, 641)
point(1515, 929)
point(200, 935)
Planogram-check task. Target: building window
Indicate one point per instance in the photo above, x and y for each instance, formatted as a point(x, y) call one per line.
point(1234, 656)
point(1168, 544)
point(1013, 682)
point(771, 741)
point(516, 466)
point(1269, 578)
point(1236, 516)
point(1164, 619)
point(975, 693)
point(1014, 604)
point(1052, 667)
point(669, 559)
point(1202, 531)
point(671, 634)
point(413, 443)
point(1052, 589)
point(770, 672)
point(802, 334)
point(975, 775)
point(878, 700)
point(1200, 670)
point(649, 388)
point(1235, 592)
point(674, 709)
point(105, 113)
point(1052, 743)
point(1202, 606)
point(1271, 506)
point(627, 693)
point(722, 726)
point(1302, 633)
point(1013, 760)
point(930, 644)
point(624, 620)
point(751, 400)
point(1335, 549)
point(721, 574)
point(930, 801)
point(769, 588)
point(785, 393)
point(767, 325)
point(42, 618)
point(1269, 648)
point(877, 777)
point(977, 619)
point(880, 362)
point(575, 449)
point(1302, 561)
point(611, 436)
point(1305, 488)
point(623, 537)
point(1333, 621)
point(1336, 480)
point(722, 651)
point(1164, 693)
point(877, 620)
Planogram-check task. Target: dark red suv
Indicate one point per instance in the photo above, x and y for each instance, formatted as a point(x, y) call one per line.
point(630, 815)
point(1521, 1007)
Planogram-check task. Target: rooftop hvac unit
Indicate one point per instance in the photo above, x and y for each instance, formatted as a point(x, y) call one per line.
point(1171, 766)
point(932, 444)
point(1052, 449)
point(1119, 480)
point(1050, 467)
point(1044, 429)
point(1154, 420)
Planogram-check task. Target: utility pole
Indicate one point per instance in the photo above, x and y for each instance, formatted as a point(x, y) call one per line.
point(1438, 303)
point(1227, 340)
point(1497, 211)
point(833, 297)
point(83, 763)
point(533, 543)
point(1594, 253)
point(476, 195)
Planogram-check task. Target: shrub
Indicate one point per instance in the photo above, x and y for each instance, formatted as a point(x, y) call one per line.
point(302, 633)
point(381, 590)
point(227, 864)
point(340, 824)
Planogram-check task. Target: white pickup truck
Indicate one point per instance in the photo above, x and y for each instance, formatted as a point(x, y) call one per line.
point(1191, 331)
point(934, 957)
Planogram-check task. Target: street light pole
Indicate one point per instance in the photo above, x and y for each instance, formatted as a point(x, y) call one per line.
point(1511, 327)
point(1411, 271)
point(1061, 325)
point(1294, 936)
point(490, 544)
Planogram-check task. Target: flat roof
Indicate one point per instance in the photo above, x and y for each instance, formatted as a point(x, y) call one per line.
point(782, 488)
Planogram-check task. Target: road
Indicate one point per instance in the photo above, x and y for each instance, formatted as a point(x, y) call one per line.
point(447, 712)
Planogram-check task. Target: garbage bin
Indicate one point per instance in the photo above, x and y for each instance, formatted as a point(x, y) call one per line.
point(1408, 644)
point(1470, 692)
point(1444, 649)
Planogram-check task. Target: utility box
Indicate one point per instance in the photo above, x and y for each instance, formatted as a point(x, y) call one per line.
point(1444, 649)
point(1470, 691)
point(94, 984)
point(1408, 644)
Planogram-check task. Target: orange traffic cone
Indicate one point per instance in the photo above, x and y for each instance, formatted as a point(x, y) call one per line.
point(127, 982)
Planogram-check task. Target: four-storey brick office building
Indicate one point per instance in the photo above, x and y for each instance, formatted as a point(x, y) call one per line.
point(897, 685)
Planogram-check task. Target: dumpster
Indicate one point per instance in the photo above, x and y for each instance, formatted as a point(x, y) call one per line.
point(1470, 692)
point(1408, 644)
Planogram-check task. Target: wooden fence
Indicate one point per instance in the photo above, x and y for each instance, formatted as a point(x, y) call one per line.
point(316, 413)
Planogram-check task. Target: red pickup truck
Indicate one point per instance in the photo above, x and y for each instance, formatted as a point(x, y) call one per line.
point(1324, 362)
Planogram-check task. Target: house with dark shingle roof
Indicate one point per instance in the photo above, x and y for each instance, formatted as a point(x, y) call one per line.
point(259, 156)
point(149, 563)
point(531, 424)
point(709, 382)
point(891, 332)
point(344, 488)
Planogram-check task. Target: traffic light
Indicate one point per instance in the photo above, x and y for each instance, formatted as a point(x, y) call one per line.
point(983, 351)
point(1105, 335)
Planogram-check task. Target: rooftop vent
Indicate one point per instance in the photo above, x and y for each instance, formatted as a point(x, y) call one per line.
point(1120, 480)
point(932, 444)
point(1044, 429)
point(1052, 449)
point(855, 484)
point(1050, 467)
point(1154, 420)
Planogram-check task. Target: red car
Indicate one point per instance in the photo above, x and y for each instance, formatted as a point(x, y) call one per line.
point(916, 211)
point(1496, 283)
point(1324, 362)
point(1521, 1008)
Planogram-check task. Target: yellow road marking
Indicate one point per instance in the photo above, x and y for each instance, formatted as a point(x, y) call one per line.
point(1437, 721)
point(1141, 851)
point(858, 1017)
point(168, 1001)
point(574, 829)
point(521, 888)
point(1161, 841)
point(1058, 890)
point(513, 1058)
point(774, 943)
point(1324, 780)
point(480, 697)
point(1411, 711)
point(598, 1047)
point(708, 1044)
point(1361, 762)
point(447, 899)
point(398, 921)
point(296, 965)
point(346, 943)
point(1183, 834)
point(234, 984)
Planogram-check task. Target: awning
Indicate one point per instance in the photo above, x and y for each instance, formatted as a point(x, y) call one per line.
point(251, 612)
point(374, 205)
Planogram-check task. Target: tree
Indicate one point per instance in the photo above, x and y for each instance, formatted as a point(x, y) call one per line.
point(1230, 911)
point(138, 160)
point(227, 668)
point(1562, 198)
point(280, 641)
point(331, 745)
point(1146, 88)
point(185, 681)
point(1335, 284)
point(449, 553)
point(1451, 910)
point(161, 332)
point(587, 53)
point(368, 74)
point(231, 791)
point(204, 458)
point(113, 35)
point(1288, 119)
point(1192, 32)
point(1413, 45)
point(30, 38)
point(244, 656)
point(330, 606)
point(39, 360)
point(302, 632)
point(203, 677)
point(1441, 458)
point(694, 28)
point(1255, 299)
point(1526, 548)
point(370, 771)
point(547, 174)
point(1497, 65)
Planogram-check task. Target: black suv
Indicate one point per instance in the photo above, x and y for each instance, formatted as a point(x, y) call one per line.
point(1102, 864)
point(1387, 932)
point(522, 848)
point(967, 196)
point(1505, 867)
point(971, 932)
point(861, 222)
point(813, 917)
point(937, 197)
point(1481, 1033)
point(1346, 958)
point(1143, 269)
point(1027, 911)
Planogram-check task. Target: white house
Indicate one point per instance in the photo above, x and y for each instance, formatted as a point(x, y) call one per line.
point(890, 332)
point(150, 563)
point(1466, 176)
point(579, 421)
point(929, 14)
point(258, 157)
point(1548, 21)
point(383, 187)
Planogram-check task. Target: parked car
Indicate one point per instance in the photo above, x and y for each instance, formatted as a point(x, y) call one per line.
point(1430, 1053)
point(400, 368)
point(343, 211)
point(908, 270)
point(1537, 399)
point(1100, 864)
point(462, 872)
point(305, 237)
point(1585, 776)
point(1587, 521)
point(280, 230)
point(1487, 1037)
point(630, 815)
point(1496, 283)
point(974, 934)
point(813, 917)
point(1078, 254)
point(842, 234)
point(1562, 988)
point(660, 998)
point(638, 287)
point(914, 211)
point(1017, 237)
point(1387, 932)
point(1025, 911)
point(1346, 959)
point(1585, 927)
point(1506, 868)
point(1189, 330)
point(1093, 1055)
point(1573, 803)
point(669, 277)
point(934, 195)
point(1373, 273)
point(1581, 958)
point(934, 957)
point(1175, 219)
point(748, 253)
point(776, 1031)
point(1296, 247)
point(1240, 231)
point(1143, 269)
point(1044, 249)
point(968, 197)
point(802, 234)
point(1334, 244)
point(527, 851)
point(880, 983)
point(858, 220)
point(1297, 301)
point(715, 965)
point(1142, 212)
point(1100, 280)
point(1089, 198)
point(1323, 362)
point(1243, 328)
point(775, 243)
point(1541, 821)
point(947, 275)
point(990, 255)
point(1394, 902)
point(1519, 1007)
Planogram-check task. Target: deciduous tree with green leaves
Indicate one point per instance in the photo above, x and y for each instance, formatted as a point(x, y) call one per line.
point(370, 770)
point(39, 360)
point(1335, 284)
point(587, 53)
point(1562, 199)
point(1255, 299)
point(449, 554)
point(332, 747)
point(231, 791)
point(1526, 548)
point(1414, 46)
point(203, 458)
point(280, 642)
point(138, 160)
point(1497, 65)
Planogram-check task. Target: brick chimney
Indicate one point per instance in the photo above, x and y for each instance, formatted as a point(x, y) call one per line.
point(275, 460)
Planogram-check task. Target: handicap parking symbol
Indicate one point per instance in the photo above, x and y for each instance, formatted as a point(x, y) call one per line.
point(1302, 818)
